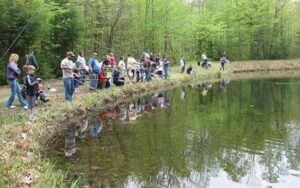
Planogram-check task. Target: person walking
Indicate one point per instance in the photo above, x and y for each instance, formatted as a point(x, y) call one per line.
point(12, 79)
point(67, 67)
point(95, 69)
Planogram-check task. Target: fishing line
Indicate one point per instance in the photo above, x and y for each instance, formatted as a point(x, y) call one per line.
point(287, 83)
point(23, 29)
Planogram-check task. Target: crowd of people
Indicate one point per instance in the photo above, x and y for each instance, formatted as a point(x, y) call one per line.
point(105, 73)
point(102, 74)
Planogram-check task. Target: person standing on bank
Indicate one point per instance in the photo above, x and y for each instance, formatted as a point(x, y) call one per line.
point(95, 69)
point(83, 67)
point(31, 60)
point(67, 67)
point(31, 83)
point(222, 61)
point(182, 64)
point(12, 78)
point(166, 63)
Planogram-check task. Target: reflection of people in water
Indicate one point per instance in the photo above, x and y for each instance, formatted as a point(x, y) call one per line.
point(163, 100)
point(123, 113)
point(224, 84)
point(96, 130)
point(72, 130)
point(132, 112)
point(70, 141)
point(81, 128)
point(183, 93)
point(206, 85)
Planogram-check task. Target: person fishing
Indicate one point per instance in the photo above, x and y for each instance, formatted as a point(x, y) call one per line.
point(13, 73)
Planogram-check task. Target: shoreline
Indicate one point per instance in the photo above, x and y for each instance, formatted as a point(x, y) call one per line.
point(22, 143)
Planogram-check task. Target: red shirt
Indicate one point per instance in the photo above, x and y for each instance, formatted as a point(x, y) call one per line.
point(101, 75)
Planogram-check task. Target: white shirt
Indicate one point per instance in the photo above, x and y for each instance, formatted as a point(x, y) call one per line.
point(122, 65)
point(82, 61)
point(131, 62)
point(67, 73)
point(181, 63)
point(147, 56)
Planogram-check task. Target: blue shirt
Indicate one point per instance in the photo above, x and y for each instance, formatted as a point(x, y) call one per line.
point(95, 65)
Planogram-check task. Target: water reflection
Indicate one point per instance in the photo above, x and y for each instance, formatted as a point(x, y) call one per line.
point(182, 138)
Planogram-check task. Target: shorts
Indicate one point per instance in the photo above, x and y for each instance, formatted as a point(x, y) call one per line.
point(31, 102)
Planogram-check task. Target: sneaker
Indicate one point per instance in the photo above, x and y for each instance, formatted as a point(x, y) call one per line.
point(11, 107)
point(25, 107)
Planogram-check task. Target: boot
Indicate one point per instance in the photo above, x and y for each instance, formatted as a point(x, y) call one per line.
point(44, 99)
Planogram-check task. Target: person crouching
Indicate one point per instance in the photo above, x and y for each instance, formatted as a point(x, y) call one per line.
point(117, 79)
point(31, 83)
point(103, 79)
point(39, 92)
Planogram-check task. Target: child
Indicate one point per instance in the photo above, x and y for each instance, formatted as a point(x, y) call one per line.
point(39, 93)
point(31, 83)
point(77, 81)
point(76, 76)
point(130, 75)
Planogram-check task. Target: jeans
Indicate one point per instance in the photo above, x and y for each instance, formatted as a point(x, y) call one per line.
point(15, 89)
point(82, 76)
point(137, 75)
point(93, 80)
point(148, 75)
point(166, 71)
point(69, 88)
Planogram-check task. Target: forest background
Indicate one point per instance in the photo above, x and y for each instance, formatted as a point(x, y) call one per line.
point(245, 29)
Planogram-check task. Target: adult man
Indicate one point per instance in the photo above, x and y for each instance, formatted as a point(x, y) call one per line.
point(83, 67)
point(95, 69)
point(31, 60)
point(182, 64)
point(166, 63)
point(67, 67)
point(122, 67)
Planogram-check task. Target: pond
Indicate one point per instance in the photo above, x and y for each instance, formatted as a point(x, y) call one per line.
point(242, 133)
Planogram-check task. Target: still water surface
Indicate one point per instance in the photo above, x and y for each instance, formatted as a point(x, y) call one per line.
point(243, 133)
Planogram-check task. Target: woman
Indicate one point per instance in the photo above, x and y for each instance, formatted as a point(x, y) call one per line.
point(12, 74)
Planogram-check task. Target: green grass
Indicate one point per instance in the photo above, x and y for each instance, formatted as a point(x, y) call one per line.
point(22, 142)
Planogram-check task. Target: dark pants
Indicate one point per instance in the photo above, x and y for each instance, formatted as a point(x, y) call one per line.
point(138, 77)
point(119, 82)
point(183, 69)
point(222, 66)
point(148, 75)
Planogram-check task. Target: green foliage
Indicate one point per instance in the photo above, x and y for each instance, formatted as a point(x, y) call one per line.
point(256, 29)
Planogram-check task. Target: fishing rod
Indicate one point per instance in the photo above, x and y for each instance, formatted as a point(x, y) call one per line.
point(23, 29)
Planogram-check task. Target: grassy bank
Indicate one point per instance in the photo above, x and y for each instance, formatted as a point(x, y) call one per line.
point(22, 142)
